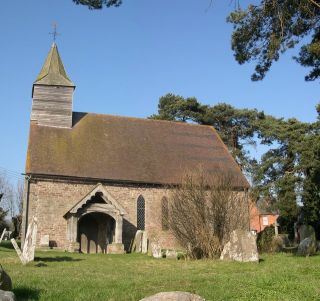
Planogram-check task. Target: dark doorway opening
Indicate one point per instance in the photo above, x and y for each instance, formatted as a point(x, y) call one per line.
point(95, 231)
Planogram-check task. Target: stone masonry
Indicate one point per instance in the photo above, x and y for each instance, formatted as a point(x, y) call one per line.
point(49, 201)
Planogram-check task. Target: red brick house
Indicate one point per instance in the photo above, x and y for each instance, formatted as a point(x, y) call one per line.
point(261, 218)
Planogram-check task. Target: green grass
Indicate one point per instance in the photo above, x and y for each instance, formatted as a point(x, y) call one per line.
point(63, 276)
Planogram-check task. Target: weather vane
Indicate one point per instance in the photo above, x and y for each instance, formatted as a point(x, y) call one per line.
point(54, 33)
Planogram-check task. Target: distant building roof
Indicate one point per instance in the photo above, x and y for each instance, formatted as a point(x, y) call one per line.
point(128, 149)
point(53, 72)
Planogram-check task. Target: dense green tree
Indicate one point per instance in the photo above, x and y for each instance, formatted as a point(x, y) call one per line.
point(98, 4)
point(287, 173)
point(262, 32)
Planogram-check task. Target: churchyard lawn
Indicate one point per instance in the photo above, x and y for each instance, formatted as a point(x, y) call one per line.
point(58, 276)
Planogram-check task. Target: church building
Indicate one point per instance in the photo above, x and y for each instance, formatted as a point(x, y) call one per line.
point(93, 180)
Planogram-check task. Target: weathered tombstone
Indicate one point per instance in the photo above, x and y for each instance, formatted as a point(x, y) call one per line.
point(241, 247)
point(173, 296)
point(306, 231)
point(171, 254)
point(138, 240)
point(144, 244)
point(156, 250)
point(5, 281)
point(44, 241)
point(7, 296)
point(30, 241)
point(16, 247)
point(2, 235)
point(307, 247)
point(27, 253)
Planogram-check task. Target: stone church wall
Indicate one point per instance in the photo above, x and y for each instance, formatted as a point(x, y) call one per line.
point(49, 201)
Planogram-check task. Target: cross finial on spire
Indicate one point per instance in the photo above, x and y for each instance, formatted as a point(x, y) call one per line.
point(54, 33)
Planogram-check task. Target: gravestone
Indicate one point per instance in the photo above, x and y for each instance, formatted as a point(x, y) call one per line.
point(7, 296)
point(173, 296)
point(307, 247)
point(30, 241)
point(5, 281)
point(306, 231)
point(29, 246)
point(16, 247)
point(156, 250)
point(2, 235)
point(44, 241)
point(138, 241)
point(171, 254)
point(144, 245)
point(241, 247)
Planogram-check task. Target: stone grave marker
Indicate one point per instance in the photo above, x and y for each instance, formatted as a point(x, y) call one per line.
point(171, 254)
point(306, 231)
point(44, 241)
point(138, 240)
point(156, 250)
point(27, 253)
point(144, 246)
point(241, 247)
point(174, 296)
point(2, 235)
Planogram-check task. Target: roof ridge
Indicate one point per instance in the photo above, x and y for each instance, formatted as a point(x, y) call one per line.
point(148, 119)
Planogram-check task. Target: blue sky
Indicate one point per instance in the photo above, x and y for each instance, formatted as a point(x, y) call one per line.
point(123, 59)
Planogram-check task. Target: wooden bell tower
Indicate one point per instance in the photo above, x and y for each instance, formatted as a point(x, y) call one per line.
point(52, 94)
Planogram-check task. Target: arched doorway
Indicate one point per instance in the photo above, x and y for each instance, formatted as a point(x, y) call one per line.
point(94, 224)
point(95, 231)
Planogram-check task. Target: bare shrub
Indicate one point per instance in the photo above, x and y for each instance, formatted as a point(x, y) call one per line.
point(204, 210)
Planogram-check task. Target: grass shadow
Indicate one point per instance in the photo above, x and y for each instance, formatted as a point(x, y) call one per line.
point(24, 293)
point(56, 259)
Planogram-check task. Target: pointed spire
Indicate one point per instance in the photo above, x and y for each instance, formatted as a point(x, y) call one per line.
point(52, 72)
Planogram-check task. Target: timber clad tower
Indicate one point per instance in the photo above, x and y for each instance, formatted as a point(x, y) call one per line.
point(93, 180)
point(52, 93)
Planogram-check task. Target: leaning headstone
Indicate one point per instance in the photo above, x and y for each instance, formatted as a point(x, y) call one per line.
point(30, 241)
point(16, 247)
point(156, 250)
point(5, 281)
point(44, 241)
point(138, 240)
point(2, 235)
point(7, 296)
point(307, 247)
point(241, 247)
point(306, 231)
point(171, 254)
point(27, 253)
point(144, 244)
point(173, 296)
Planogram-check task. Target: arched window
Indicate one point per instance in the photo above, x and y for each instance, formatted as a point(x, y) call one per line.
point(165, 213)
point(140, 213)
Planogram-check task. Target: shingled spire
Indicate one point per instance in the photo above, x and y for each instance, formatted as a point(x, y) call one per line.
point(52, 93)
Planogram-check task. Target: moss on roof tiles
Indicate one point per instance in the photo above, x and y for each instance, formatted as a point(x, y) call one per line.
point(127, 149)
point(53, 72)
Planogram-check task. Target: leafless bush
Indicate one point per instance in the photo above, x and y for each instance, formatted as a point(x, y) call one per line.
point(204, 210)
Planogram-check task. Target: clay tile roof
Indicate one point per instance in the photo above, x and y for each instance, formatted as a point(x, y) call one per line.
point(127, 149)
point(53, 72)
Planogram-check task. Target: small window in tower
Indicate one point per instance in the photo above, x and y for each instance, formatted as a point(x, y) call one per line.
point(140, 213)
point(165, 213)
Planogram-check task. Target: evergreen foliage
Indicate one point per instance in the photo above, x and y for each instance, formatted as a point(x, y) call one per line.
point(264, 31)
point(287, 173)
